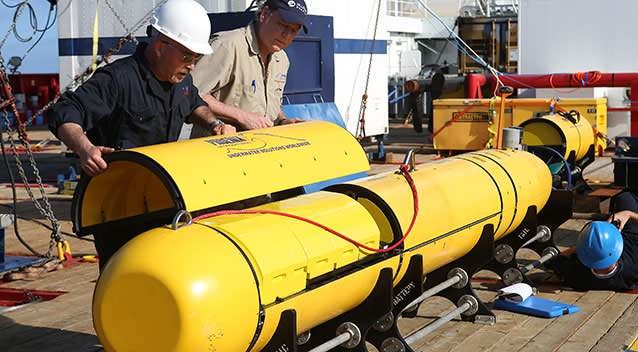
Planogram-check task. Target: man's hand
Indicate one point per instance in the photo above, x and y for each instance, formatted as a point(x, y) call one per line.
point(90, 155)
point(223, 129)
point(253, 121)
point(622, 217)
point(91, 159)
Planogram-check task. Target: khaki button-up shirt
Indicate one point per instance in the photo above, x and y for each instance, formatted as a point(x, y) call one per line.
point(234, 73)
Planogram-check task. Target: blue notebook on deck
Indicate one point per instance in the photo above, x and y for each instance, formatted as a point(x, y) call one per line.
point(537, 306)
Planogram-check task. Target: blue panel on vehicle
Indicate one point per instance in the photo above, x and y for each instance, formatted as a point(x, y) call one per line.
point(315, 111)
point(326, 112)
point(316, 187)
point(296, 111)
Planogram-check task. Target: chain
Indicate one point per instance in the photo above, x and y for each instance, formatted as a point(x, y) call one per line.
point(79, 79)
point(45, 207)
point(129, 37)
point(117, 16)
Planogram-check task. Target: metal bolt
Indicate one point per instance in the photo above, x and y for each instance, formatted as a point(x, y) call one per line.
point(462, 274)
point(392, 344)
point(385, 323)
point(546, 233)
point(303, 338)
point(484, 319)
point(354, 332)
point(512, 276)
point(550, 252)
point(472, 301)
point(503, 253)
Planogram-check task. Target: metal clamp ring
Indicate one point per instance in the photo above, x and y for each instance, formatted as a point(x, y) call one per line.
point(385, 323)
point(462, 274)
point(546, 233)
point(303, 338)
point(355, 334)
point(176, 219)
point(472, 301)
point(551, 251)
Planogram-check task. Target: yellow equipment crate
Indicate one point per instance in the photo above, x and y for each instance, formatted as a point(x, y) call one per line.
point(462, 124)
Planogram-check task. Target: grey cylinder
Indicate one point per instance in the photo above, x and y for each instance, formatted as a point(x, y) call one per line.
point(512, 138)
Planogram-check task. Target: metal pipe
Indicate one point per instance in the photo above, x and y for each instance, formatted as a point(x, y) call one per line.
point(419, 334)
point(456, 277)
point(334, 343)
point(473, 84)
point(568, 80)
point(543, 233)
point(410, 159)
point(348, 336)
point(548, 253)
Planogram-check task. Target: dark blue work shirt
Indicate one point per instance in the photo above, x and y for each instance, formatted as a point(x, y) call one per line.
point(123, 105)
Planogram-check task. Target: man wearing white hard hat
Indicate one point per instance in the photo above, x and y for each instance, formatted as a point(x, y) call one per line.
point(139, 100)
point(243, 80)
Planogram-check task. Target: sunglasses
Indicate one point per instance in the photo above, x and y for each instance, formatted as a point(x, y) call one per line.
point(188, 57)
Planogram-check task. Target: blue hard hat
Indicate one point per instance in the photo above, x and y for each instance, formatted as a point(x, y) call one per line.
point(600, 245)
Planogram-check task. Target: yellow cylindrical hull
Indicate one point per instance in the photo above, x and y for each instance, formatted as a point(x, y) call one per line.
point(222, 284)
point(572, 139)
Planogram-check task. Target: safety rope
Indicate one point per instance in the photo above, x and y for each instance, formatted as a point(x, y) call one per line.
point(361, 123)
point(403, 169)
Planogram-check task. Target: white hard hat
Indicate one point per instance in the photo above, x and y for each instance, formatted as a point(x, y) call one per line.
point(186, 22)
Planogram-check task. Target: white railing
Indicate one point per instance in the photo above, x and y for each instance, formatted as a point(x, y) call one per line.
point(404, 8)
point(488, 8)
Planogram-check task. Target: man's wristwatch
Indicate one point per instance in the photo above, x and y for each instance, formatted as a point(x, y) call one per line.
point(216, 123)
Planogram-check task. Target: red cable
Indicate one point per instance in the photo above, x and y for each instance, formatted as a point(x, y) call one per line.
point(404, 171)
point(578, 79)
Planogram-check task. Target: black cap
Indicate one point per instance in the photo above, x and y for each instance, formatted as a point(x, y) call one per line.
point(291, 11)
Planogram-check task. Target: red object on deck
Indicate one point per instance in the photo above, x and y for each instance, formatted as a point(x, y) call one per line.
point(10, 297)
point(38, 89)
point(473, 85)
point(567, 80)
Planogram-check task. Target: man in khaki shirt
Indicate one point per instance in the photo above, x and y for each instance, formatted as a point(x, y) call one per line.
point(243, 80)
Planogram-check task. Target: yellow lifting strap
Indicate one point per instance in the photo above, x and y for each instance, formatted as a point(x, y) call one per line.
point(633, 347)
point(96, 35)
point(491, 113)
